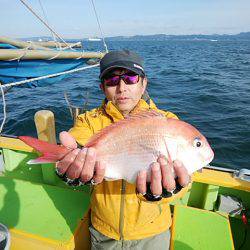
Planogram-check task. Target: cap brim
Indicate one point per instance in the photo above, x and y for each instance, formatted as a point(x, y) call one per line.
point(107, 70)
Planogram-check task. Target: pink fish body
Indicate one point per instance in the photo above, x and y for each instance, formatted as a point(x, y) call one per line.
point(132, 144)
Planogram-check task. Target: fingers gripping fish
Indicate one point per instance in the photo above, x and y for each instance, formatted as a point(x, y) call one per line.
point(132, 144)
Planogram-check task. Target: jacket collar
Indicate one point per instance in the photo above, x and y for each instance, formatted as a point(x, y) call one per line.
point(116, 115)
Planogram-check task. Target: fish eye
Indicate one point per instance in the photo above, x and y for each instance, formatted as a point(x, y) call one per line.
point(197, 142)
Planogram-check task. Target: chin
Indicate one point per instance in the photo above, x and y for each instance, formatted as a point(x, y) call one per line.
point(123, 106)
point(124, 109)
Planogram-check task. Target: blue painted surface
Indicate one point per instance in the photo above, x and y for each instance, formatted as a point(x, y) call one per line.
point(11, 71)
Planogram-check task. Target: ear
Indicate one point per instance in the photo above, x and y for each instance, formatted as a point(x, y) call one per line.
point(101, 87)
point(145, 82)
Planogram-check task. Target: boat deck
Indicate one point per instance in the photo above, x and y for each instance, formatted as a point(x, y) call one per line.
point(43, 213)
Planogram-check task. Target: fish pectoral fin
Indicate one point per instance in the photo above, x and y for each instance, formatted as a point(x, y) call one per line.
point(157, 153)
point(150, 149)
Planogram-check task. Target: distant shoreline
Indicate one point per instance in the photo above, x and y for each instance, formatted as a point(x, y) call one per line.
point(161, 37)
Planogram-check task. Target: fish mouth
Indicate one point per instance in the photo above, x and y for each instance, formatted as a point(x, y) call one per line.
point(209, 157)
point(209, 160)
point(212, 155)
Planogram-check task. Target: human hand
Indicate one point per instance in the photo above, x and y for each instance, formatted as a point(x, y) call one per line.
point(79, 165)
point(167, 178)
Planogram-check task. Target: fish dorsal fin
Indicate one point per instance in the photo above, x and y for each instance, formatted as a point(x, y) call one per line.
point(142, 114)
point(145, 113)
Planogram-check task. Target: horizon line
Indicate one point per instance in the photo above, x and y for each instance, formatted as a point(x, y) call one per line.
point(130, 36)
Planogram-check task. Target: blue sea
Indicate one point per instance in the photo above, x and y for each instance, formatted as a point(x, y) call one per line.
point(205, 82)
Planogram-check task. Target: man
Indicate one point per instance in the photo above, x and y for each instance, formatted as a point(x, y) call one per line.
point(123, 215)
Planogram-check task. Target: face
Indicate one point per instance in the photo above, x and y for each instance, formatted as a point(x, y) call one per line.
point(124, 96)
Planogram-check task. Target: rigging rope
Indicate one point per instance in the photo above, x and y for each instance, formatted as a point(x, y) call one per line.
point(47, 20)
point(100, 29)
point(4, 108)
point(9, 85)
point(48, 76)
point(45, 23)
point(25, 50)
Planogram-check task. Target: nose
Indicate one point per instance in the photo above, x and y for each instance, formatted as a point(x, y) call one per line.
point(122, 86)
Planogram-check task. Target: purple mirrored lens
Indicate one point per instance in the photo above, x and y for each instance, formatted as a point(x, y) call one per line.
point(130, 79)
point(115, 80)
point(112, 81)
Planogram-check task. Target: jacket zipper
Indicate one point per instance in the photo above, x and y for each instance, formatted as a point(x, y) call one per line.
point(121, 222)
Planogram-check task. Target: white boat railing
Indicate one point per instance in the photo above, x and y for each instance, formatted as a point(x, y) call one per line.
point(229, 170)
point(242, 174)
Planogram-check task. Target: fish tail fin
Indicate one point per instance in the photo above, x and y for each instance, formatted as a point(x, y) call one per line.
point(50, 152)
point(41, 160)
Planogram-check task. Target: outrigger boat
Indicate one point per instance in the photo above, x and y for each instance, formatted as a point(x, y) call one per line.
point(25, 62)
point(21, 61)
point(41, 212)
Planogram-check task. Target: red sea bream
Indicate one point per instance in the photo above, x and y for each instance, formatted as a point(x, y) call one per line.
point(132, 144)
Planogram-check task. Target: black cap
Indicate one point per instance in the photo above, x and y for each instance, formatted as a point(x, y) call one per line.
point(121, 59)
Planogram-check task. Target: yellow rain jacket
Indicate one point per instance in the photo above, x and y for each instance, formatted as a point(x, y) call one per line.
point(117, 211)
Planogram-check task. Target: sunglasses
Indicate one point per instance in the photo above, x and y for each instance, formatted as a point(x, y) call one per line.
point(128, 78)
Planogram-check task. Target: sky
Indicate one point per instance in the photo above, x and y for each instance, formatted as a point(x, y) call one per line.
point(76, 18)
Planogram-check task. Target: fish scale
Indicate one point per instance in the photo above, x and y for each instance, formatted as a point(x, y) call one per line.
point(136, 154)
point(132, 144)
